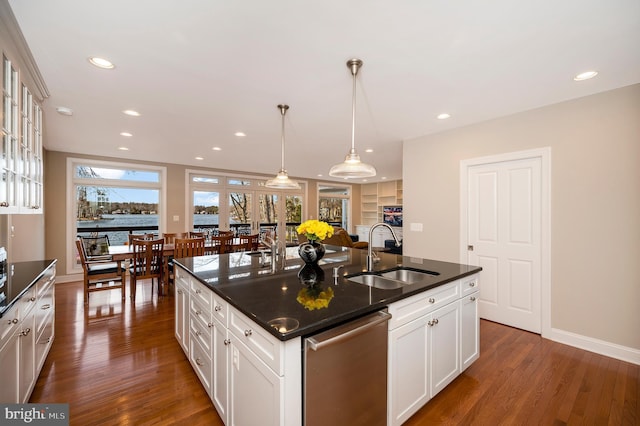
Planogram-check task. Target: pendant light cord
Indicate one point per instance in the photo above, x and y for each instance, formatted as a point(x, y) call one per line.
point(283, 111)
point(354, 71)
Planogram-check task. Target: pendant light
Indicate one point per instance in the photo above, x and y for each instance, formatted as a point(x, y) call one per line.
point(352, 166)
point(282, 181)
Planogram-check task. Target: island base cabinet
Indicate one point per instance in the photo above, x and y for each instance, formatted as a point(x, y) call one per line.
point(220, 379)
point(444, 347)
point(470, 331)
point(254, 389)
point(182, 311)
point(408, 371)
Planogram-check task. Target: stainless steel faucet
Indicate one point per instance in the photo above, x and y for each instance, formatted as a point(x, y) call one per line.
point(370, 256)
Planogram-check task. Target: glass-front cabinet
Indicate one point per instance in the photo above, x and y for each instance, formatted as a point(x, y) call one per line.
point(21, 160)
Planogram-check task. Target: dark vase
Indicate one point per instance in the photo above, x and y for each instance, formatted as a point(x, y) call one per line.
point(311, 252)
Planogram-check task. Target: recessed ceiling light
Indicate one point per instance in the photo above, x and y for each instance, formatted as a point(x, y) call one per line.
point(131, 112)
point(585, 75)
point(217, 148)
point(443, 116)
point(319, 174)
point(64, 111)
point(101, 63)
point(126, 134)
point(368, 150)
point(384, 177)
point(240, 134)
point(123, 148)
point(199, 158)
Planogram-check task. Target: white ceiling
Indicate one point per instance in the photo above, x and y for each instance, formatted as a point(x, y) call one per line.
point(201, 70)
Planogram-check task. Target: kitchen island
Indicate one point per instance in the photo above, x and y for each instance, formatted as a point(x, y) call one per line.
point(241, 323)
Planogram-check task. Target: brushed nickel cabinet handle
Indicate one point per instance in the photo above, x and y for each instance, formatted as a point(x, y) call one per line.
point(47, 306)
point(248, 332)
point(432, 300)
point(199, 362)
point(226, 342)
point(218, 308)
point(472, 284)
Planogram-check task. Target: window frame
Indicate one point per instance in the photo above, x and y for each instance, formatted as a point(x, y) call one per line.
point(72, 181)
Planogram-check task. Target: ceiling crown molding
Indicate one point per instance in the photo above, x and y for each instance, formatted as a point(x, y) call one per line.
point(11, 34)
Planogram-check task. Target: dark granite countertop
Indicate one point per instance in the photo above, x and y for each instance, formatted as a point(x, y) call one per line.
point(20, 277)
point(265, 295)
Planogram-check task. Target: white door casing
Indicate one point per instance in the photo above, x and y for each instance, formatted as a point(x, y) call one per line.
point(505, 230)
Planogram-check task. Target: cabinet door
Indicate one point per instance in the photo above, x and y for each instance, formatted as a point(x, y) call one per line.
point(444, 346)
point(182, 315)
point(220, 380)
point(9, 355)
point(470, 331)
point(27, 361)
point(254, 389)
point(408, 370)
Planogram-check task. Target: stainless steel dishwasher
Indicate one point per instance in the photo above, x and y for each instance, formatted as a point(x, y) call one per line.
point(345, 373)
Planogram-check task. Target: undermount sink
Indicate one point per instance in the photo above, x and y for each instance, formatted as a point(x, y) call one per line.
point(376, 281)
point(393, 278)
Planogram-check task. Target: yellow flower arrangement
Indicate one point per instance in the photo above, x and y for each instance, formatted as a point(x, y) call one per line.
point(314, 297)
point(315, 230)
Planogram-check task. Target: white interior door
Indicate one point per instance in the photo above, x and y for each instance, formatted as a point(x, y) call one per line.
point(504, 201)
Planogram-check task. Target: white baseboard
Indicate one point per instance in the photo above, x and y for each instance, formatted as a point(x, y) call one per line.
point(590, 344)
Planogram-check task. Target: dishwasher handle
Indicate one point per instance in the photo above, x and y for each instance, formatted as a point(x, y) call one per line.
point(376, 319)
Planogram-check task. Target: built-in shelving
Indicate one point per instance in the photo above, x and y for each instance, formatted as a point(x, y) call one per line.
point(374, 196)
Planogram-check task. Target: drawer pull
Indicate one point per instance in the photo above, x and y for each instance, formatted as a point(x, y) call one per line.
point(472, 284)
point(218, 308)
point(26, 332)
point(226, 342)
point(198, 312)
point(210, 324)
point(436, 321)
point(431, 323)
point(198, 291)
point(47, 306)
point(432, 300)
point(248, 332)
point(32, 299)
point(198, 333)
point(13, 321)
point(472, 298)
point(179, 291)
point(199, 362)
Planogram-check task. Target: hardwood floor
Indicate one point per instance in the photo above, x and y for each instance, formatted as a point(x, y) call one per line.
point(119, 363)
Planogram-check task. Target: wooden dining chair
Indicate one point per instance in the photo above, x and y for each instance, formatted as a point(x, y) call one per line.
point(147, 263)
point(248, 243)
point(194, 234)
point(184, 247)
point(141, 237)
point(170, 237)
point(103, 274)
point(96, 247)
point(220, 244)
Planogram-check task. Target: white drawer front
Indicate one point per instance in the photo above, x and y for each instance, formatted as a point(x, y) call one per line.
point(201, 332)
point(413, 307)
point(263, 344)
point(202, 294)
point(469, 285)
point(201, 363)
point(220, 309)
point(9, 323)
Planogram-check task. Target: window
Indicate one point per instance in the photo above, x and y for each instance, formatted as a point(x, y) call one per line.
point(247, 207)
point(334, 204)
point(114, 199)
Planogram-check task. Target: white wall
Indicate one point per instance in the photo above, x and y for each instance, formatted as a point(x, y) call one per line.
point(595, 204)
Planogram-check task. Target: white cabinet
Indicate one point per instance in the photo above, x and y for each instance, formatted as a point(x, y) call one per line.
point(250, 376)
point(21, 163)
point(444, 347)
point(254, 389)
point(432, 339)
point(20, 358)
point(182, 309)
